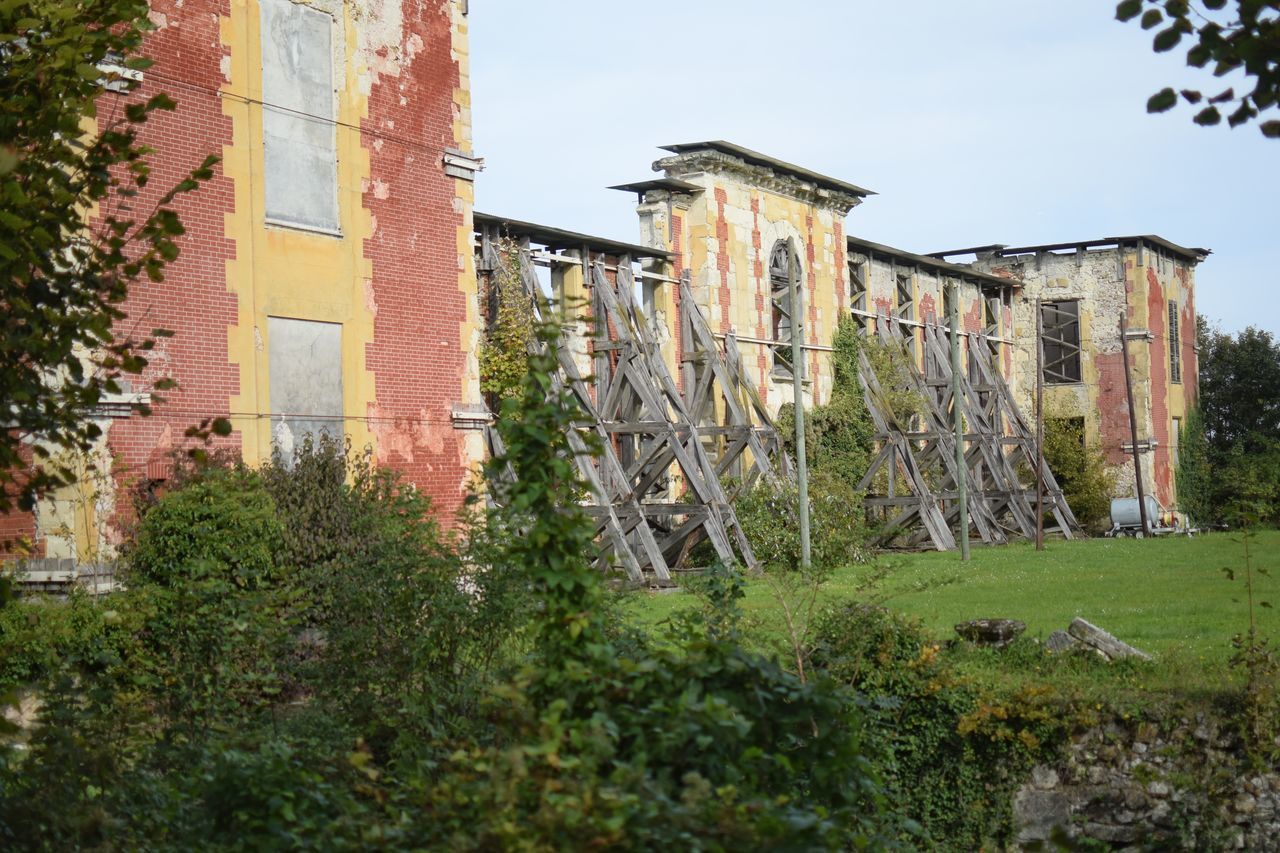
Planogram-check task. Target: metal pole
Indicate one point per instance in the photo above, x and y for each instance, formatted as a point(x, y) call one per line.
point(1133, 425)
point(962, 466)
point(797, 376)
point(1039, 427)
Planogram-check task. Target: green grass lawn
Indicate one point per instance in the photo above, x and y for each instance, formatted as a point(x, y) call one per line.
point(1167, 596)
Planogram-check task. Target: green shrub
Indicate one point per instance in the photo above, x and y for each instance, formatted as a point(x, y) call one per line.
point(955, 756)
point(37, 637)
point(224, 520)
point(1081, 472)
point(409, 624)
point(769, 515)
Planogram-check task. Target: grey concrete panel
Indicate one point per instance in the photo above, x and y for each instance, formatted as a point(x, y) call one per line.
point(305, 366)
point(299, 136)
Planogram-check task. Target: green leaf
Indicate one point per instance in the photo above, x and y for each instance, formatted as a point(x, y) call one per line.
point(1151, 18)
point(9, 159)
point(1270, 129)
point(1162, 101)
point(1128, 10)
point(1166, 39)
point(221, 427)
point(1208, 116)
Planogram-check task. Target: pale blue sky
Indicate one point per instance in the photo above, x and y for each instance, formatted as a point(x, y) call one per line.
point(989, 121)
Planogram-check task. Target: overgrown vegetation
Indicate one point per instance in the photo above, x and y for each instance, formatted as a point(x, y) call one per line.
point(1229, 452)
point(955, 755)
point(509, 328)
point(303, 659)
point(839, 439)
point(1081, 472)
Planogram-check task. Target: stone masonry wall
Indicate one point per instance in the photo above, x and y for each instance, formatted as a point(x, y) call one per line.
point(1181, 784)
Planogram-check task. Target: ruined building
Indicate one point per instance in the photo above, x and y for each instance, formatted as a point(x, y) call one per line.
point(727, 215)
point(327, 281)
point(1083, 288)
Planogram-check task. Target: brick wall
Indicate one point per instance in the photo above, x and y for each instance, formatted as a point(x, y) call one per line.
point(415, 355)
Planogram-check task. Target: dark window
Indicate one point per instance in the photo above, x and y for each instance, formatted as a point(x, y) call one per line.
point(1175, 344)
point(857, 287)
point(783, 268)
point(1061, 342)
point(906, 310)
point(906, 297)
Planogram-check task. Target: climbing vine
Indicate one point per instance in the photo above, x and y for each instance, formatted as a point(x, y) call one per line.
point(509, 330)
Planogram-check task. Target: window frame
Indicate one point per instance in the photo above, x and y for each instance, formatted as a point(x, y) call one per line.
point(780, 307)
point(1061, 349)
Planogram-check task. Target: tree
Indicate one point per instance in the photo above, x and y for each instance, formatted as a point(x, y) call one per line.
point(1229, 457)
point(1238, 378)
point(1244, 38)
point(70, 242)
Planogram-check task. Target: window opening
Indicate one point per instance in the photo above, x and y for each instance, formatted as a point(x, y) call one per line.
point(1061, 341)
point(857, 286)
point(1175, 344)
point(783, 267)
point(906, 309)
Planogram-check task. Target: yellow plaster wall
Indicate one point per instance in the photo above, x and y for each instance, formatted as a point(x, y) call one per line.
point(747, 311)
point(291, 272)
point(471, 327)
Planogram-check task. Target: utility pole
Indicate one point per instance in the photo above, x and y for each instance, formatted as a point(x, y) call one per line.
point(1133, 424)
point(797, 376)
point(1039, 427)
point(962, 466)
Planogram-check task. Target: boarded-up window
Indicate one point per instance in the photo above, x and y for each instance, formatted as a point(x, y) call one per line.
point(1061, 325)
point(299, 136)
point(1175, 344)
point(305, 363)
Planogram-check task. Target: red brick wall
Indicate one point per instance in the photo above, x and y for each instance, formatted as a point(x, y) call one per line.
point(415, 355)
point(1158, 312)
point(192, 301)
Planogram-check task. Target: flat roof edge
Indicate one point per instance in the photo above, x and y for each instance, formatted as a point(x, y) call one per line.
point(933, 263)
point(759, 159)
point(565, 239)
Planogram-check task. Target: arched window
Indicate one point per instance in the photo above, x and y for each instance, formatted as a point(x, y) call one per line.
point(784, 267)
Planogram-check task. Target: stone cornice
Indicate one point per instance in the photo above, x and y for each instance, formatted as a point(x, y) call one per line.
point(717, 162)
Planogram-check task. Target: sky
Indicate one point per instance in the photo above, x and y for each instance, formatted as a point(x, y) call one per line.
point(989, 121)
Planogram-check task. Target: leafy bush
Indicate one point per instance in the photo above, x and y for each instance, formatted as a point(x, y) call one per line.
point(223, 520)
point(408, 627)
point(37, 638)
point(356, 679)
point(769, 515)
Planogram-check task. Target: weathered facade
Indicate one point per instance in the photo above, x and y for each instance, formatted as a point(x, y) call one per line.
point(729, 215)
point(326, 280)
point(1083, 289)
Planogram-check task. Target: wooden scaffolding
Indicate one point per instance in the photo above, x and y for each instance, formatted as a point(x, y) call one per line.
point(656, 488)
point(912, 484)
